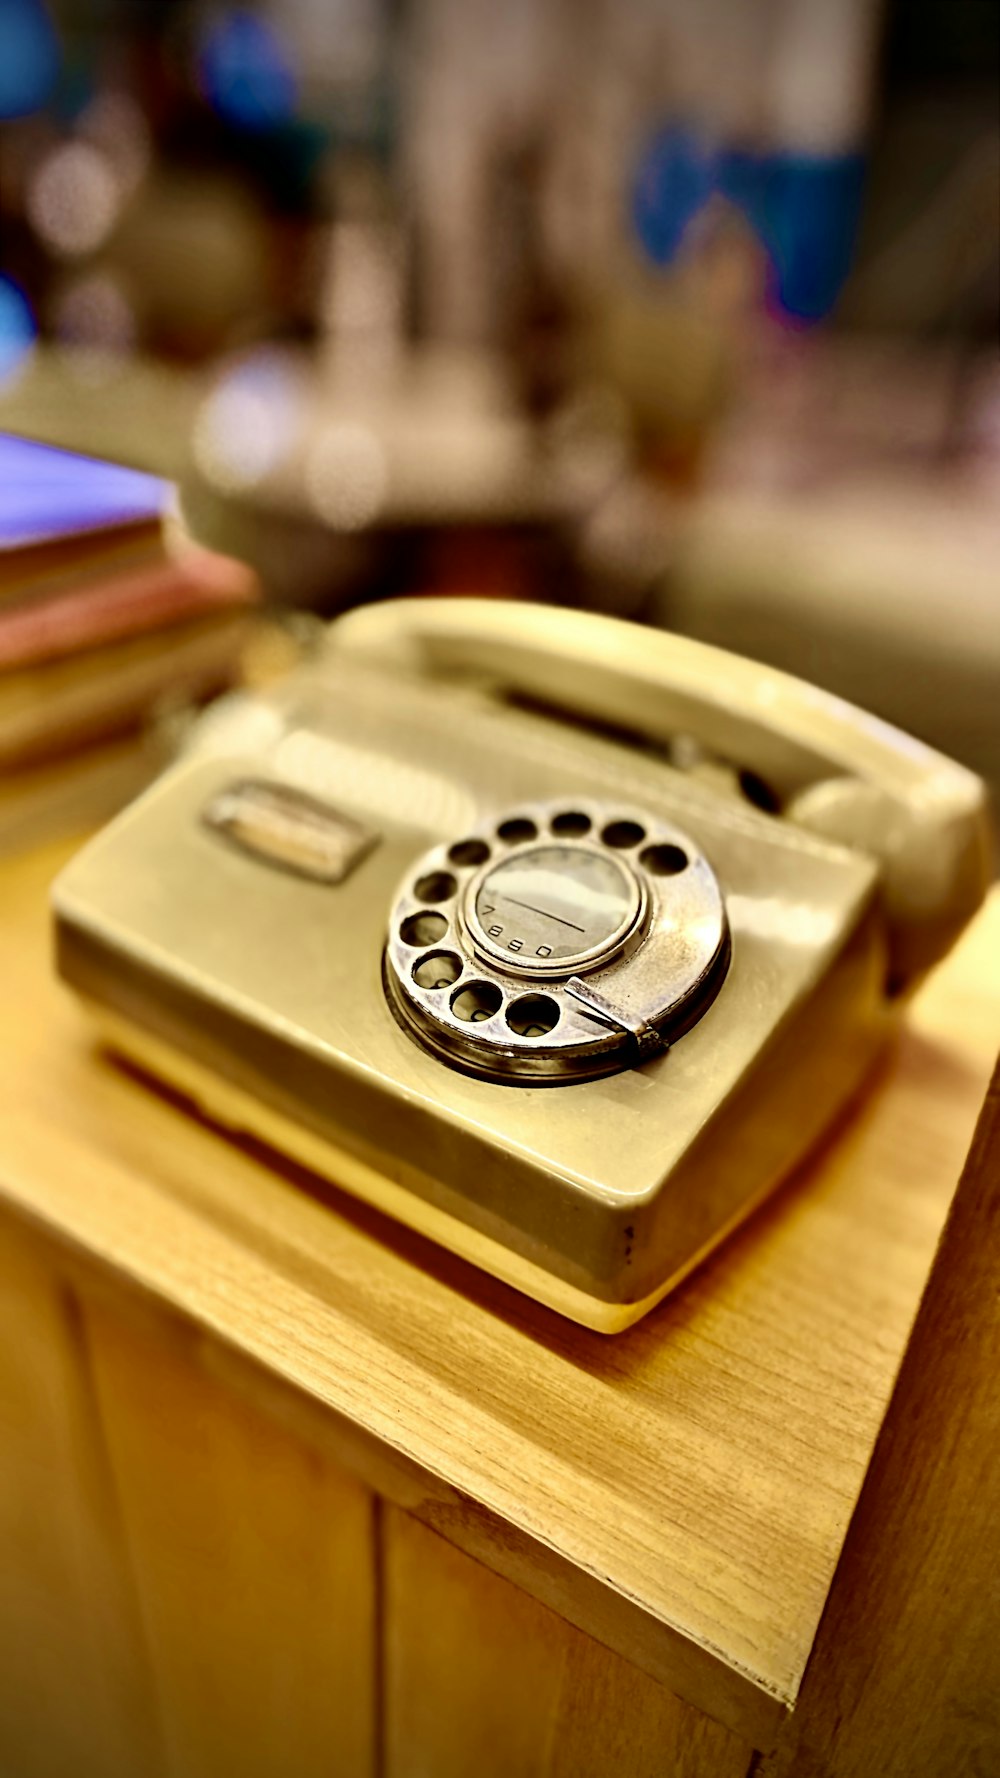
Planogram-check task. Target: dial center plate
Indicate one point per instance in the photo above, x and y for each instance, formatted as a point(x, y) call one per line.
point(553, 904)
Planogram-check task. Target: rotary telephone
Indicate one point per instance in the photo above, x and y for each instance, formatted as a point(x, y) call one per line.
point(438, 917)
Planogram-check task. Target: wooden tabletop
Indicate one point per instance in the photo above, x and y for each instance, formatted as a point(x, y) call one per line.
point(681, 1491)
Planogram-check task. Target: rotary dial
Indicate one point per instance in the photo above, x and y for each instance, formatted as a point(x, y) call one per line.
point(556, 943)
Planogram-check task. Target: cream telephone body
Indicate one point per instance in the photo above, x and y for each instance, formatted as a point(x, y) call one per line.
point(414, 919)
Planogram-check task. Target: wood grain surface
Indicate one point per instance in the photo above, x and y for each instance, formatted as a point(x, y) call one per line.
point(76, 1688)
point(254, 1564)
point(480, 1678)
point(680, 1492)
point(904, 1679)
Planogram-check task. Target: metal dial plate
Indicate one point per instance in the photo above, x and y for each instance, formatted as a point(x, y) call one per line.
point(552, 907)
point(557, 942)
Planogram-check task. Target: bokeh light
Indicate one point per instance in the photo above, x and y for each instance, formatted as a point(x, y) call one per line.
point(245, 71)
point(74, 198)
point(249, 422)
point(93, 313)
point(115, 125)
point(17, 331)
point(347, 476)
point(29, 57)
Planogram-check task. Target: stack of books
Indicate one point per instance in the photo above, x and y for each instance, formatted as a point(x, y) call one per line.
point(110, 618)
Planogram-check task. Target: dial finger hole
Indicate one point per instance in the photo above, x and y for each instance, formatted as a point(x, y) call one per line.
point(424, 928)
point(533, 1015)
point(438, 970)
point(437, 885)
point(476, 1001)
point(623, 834)
point(465, 852)
point(664, 860)
point(571, 823)
point(516, 831)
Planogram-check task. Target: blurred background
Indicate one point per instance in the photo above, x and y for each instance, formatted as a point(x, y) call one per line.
point(685, 312)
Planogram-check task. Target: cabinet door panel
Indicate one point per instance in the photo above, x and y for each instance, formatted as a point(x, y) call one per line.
point(76, 1694)
point(480, 1678)
point(254, 1563)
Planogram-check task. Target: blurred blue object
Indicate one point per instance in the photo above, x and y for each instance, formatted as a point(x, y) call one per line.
point(17, 329)
point(803, 208)
point(45, 493)
point(29, 57)
point(676, 178)
point(807, 218)
point(245, 71)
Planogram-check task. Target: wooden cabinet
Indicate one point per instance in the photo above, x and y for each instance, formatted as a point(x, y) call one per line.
point(286, 1491)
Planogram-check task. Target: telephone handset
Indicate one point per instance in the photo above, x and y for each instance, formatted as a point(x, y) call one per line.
point(835, 770)
point(566, 1009)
